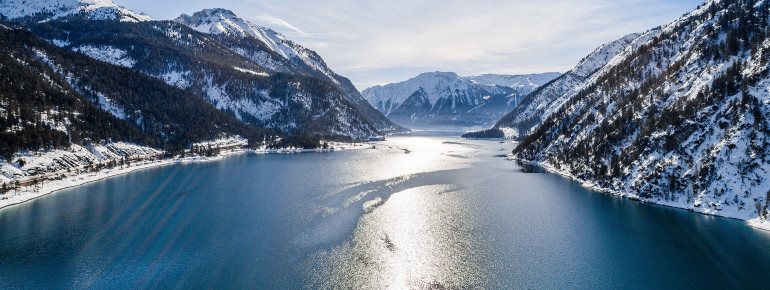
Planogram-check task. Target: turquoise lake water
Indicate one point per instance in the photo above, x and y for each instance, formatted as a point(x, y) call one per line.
point(413, 212)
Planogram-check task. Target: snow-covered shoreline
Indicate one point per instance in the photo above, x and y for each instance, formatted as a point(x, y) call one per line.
point(51, 186)
point(756, 222)
point(31, 192)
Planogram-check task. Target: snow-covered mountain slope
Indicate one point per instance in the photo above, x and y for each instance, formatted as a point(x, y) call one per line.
point(444, 98)
point(71, 158)
point(222, 21)
point(256, 76)
point(40, 10)
point(276, 53)
point(203, 65)
point(52, 97)
point(530, 112)
point(678, 117)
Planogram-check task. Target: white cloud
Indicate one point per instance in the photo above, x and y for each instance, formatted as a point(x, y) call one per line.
point(280, 25)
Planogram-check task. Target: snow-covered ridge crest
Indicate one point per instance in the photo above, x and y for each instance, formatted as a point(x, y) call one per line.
point(537, 106)
point(445, 98)
point(438, 85)
point(435, 84)
point(513, 81)
point(602, 55)
point(54, 9)
point(223, 21)
point(277, 54)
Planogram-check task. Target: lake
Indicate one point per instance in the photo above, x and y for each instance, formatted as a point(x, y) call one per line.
point(414, 212)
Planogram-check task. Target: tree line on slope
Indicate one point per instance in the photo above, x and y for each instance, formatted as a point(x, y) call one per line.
point(634, 114)
point(161, 47)
point(51, 96)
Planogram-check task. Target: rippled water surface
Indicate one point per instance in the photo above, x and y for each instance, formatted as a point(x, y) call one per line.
point(413, 212)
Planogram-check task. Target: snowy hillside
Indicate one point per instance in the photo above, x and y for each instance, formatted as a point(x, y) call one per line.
point(72, 159)
point(223, 21)
point(446, 98)
point(205, 66)
point(276, 53)
point(247, 71)
point(55, 9)
point(538, 106)
point(53, 97)
point(678, 116)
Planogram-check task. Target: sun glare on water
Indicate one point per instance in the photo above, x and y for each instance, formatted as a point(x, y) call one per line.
point(415, 237)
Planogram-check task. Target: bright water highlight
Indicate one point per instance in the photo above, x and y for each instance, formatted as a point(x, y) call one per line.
point(414, 212)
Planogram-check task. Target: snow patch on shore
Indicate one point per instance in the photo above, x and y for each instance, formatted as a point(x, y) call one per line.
point(59, 169)
point(509, 133)
point(223, 142)
point(760, 224)
point(746, 216)
point(74, 158)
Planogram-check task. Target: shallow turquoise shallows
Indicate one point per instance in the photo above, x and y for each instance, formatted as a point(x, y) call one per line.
point(413, 212)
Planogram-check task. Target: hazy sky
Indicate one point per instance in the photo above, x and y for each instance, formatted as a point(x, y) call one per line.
point(382, 41)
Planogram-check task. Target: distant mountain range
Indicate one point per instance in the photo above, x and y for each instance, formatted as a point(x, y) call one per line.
point(677, 115)
point(446, 99)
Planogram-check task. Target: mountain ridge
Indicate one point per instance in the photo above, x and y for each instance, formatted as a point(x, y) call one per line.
point(206, 65)
point(44, 10)
point(82, 100)
point(541, 103)
point(301, 60)
point(446, 98)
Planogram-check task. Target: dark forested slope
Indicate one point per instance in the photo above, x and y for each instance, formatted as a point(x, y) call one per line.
point(52, 97)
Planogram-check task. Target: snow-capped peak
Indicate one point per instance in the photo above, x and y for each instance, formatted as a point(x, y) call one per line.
point(442, 84)
point(222, 21)
point(54, 9)
point(444, 98)
point(513, 81)
point(434, 84)
point(215, 21)
point(276, 53)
